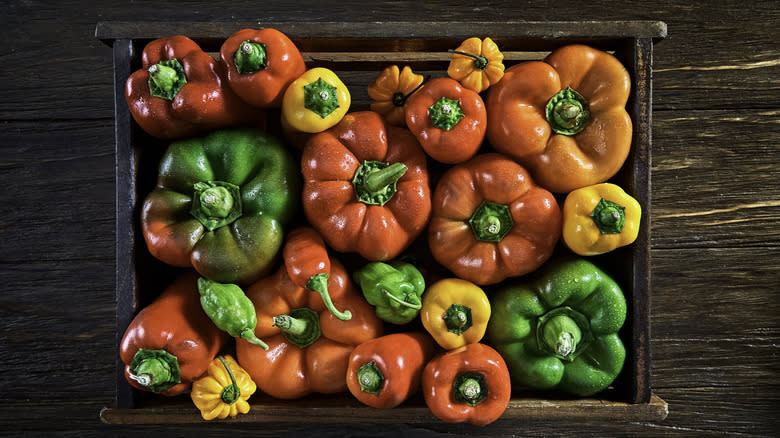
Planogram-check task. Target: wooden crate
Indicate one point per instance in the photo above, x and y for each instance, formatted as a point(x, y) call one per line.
point(357, 52)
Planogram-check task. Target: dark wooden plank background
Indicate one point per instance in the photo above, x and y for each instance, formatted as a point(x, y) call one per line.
point(715, 234)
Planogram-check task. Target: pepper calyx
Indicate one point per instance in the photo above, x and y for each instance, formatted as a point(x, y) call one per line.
point(370, 378)
point(445, 113)
point(216, 203)
point(375, 181)
point(563, 333)
point(250, 57)
point(609, 217)
point(156, 370)
point(301, 327)
point(320, 97)
point(166, 78)
point(491, 221)
point(470, 388)
point(457, 318)
point(567, 112)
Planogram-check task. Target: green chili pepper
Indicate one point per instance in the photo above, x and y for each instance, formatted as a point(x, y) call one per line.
point(393, 288)
point(230, 310)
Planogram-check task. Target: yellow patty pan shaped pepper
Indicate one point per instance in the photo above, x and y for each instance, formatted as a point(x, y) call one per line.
point(600, 218)
point(455, 312)
point(224, 390)
point(477, 64)
point(316, 101)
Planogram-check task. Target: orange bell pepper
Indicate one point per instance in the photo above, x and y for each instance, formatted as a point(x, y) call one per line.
point(385, 371)
point(490, 221)
point(565, 118)
point(365, 186)
point(260, 65)
point(448, 119)
point(309, 347)
point(468, 384)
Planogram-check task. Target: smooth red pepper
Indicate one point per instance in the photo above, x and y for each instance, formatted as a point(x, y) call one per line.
point(260, 65)
point(171, 342)
point(386, 371)
point(181, 92)
point(468, 384)
point(448, 120)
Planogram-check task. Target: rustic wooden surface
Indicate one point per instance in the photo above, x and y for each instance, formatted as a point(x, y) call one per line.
point(715, 204)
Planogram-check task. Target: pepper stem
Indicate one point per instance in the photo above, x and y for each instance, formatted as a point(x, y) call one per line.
point(301, 327)
point(232, 392)
point(491, 221)
point(401, 302)
point(156, 370)
point(319, 283)
point(320, 97)
point(375, 182)
point(609, 217)
point(567, 112)
point(166, 78)
point(470, 388)
point(216, 203)
point(480, 62)
point(250, 57)
point(248, 335)
point(445, 113)
point(564, 333)
point(457, 318)
point(370, 378)
point(399, 99)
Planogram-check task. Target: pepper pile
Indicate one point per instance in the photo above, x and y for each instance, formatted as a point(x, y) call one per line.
point(406, 249)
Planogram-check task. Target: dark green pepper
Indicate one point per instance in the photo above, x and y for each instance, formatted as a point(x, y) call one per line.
point(393, 288)
point(559, 329)
point(230, 310)
point(221, 203)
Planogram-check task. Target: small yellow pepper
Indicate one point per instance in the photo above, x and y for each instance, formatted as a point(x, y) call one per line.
point(224, 390)
point(316, 101)
point(600, 218)
point(390, 91)
point(455, 312)
point(477, 64)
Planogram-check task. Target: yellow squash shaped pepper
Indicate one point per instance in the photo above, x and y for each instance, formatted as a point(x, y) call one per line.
point(224, 390)
point(600, 218)
point(477, 64)
point(316, 101)
point(390, 91)
point(455, 312)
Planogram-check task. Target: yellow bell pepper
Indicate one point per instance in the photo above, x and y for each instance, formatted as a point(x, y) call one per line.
point(455, 312)
point(477, 64)
point(224, 390)
point(600, 218)
point(316, 101)
point(390, 91)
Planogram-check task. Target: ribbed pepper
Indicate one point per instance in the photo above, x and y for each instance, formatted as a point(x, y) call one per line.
point(221, 204)
point(600, 218)
point(563, 118)
point(390, 91)
point(181, 91)
point(224, 390)
point(477, 64)
point(455, 312)
point(393, 288)
point(559, 329)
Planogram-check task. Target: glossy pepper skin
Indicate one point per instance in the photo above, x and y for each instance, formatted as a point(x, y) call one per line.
point(559, 329)
point(455, 312)
point(448, 120)
point(390, 92)
point(477, 64)
point(224, 391)
point(221, 204)
point(467, 384)
point(204, 102)
point(311, 354)
point(600, 218)
point(586, 137)
point(393, 288)
point(308, 265)
point(490, 221)
point(385, 371)
point(365, 187)
point(171, 342)
point(260, 65)
point(315, 101)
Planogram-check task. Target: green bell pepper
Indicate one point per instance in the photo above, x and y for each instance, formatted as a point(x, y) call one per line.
point(559, 329)
point(393, 288)
point(221, 203)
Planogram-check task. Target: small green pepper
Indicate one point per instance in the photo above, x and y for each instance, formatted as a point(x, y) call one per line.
point(393, 288)
point(559, 329)
point(230, 310)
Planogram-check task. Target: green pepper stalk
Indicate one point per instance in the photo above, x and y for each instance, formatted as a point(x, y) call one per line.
point(394, 288)
point(320, 97)
point(231, 393)
point(567, 112)
point(250, 57)
point(166, 78)
point(375, 181)
point(156, 370)
point(230, 310)
point(491, 222)
point(370, 378)
point(445, 113)
point(301, 327)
